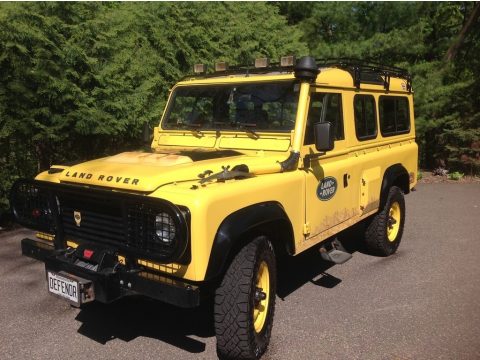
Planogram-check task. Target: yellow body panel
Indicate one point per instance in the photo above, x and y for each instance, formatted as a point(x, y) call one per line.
point(250, 143)
point(186, 140)
point(167, 175)
point(211, 204)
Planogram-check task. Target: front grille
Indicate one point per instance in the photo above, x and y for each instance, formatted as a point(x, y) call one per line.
point(111, 222)
point(93, 226)
point(125, 221)
point(98, 220)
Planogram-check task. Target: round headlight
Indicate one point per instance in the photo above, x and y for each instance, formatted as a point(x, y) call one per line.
point(31, 206)
point(165, 228)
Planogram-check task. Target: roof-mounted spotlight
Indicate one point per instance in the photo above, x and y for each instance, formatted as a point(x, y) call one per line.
point(287, 61)
point(221, 66)
point(261, 63)
point(199, 68)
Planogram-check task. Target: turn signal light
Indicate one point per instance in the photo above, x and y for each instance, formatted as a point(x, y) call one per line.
point(45, 236)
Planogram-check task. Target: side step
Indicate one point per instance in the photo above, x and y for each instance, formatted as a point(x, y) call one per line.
point(337, 254)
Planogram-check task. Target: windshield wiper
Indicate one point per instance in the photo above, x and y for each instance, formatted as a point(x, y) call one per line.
point(218, 124)
point(248, 127)
point(193, 127)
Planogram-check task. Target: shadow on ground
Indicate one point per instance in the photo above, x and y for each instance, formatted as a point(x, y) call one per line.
point(296, 271)
point(132, 317)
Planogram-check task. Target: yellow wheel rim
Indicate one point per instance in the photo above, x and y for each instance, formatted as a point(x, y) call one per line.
point(393, 221)
point(262, 297)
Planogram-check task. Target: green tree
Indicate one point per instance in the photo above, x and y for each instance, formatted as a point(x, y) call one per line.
point(79, 80)
point(437, 42)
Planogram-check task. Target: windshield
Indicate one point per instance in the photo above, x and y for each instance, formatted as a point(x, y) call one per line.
point(252, 106)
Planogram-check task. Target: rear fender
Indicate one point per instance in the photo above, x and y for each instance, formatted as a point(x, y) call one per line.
point(395, 175)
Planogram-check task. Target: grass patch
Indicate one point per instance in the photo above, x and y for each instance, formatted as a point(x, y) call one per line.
point(455, 175)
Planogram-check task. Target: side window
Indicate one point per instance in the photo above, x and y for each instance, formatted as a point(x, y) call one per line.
point(394, 115)
point(324, 107)
point(365, 117)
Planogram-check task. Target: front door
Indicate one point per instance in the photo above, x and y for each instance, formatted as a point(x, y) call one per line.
point(329, 196)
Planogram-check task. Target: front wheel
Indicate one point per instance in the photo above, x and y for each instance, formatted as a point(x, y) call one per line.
point(384, 233)
point(245, 302)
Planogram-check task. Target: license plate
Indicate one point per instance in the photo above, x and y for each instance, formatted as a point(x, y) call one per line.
point(64, 287)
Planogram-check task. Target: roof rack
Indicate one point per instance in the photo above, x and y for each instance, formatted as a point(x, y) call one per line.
point(368, 72)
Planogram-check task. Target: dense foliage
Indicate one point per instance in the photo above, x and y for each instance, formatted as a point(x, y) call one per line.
point(78, 80)
point(439, 43)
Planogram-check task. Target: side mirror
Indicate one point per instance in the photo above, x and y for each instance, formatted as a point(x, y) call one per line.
point(146, 136)
point(324, 137)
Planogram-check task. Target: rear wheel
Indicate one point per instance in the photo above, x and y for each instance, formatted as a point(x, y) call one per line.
point(384, 232)
point(245, 302)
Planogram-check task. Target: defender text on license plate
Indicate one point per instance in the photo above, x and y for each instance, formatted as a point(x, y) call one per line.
point(63, 287)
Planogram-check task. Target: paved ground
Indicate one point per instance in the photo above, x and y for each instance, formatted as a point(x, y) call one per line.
point(422, 303)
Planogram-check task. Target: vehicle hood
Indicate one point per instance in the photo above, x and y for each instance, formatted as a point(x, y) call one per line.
point(145, 172)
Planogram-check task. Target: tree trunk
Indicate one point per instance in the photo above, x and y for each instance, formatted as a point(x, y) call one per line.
point(453, 50)
point(43, 156)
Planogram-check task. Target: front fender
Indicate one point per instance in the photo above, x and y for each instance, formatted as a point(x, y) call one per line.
point(233, 233)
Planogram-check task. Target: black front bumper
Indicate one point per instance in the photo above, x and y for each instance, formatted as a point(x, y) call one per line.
point(114, 284)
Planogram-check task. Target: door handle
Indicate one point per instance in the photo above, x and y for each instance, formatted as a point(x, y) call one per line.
point(345, 180)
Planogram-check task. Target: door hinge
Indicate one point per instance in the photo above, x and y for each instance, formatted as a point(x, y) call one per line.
point(306, 228)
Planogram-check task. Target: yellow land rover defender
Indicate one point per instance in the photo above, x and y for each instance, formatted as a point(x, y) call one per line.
point(247, 163)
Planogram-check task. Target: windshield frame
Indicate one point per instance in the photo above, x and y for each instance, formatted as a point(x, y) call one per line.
point(225, 128)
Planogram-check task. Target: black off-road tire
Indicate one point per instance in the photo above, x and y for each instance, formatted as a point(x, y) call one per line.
point(376, 234)
point(235, 302)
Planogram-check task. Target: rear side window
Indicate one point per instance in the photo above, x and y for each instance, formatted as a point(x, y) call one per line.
point(394, 115)
point(365, 117)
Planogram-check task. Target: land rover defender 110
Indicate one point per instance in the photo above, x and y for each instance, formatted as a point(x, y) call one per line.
point(247, 163)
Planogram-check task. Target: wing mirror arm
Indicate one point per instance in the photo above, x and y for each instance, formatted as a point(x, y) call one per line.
point(324, 141)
